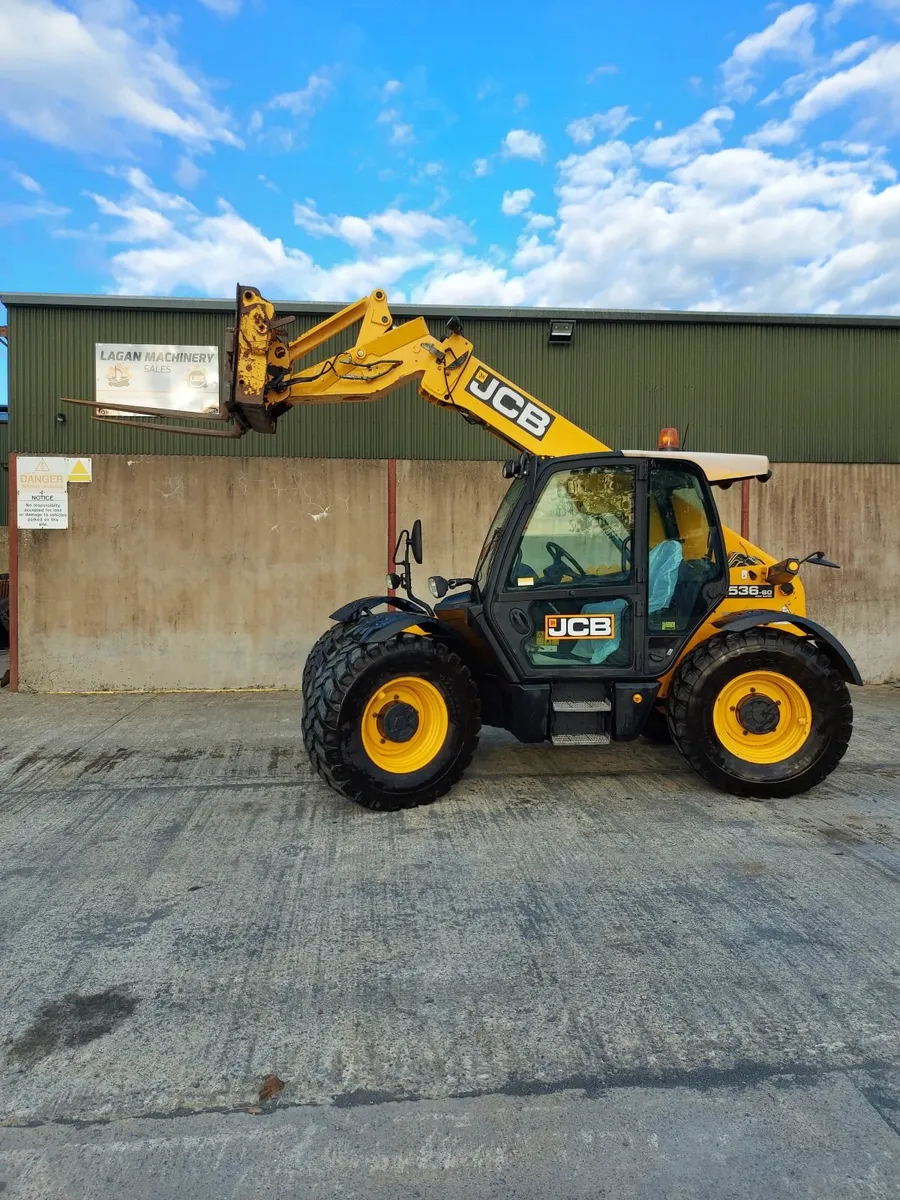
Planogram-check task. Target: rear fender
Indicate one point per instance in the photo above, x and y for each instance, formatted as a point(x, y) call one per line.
point(740, 621)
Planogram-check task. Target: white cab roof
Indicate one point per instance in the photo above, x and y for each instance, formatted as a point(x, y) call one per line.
point(716, 467)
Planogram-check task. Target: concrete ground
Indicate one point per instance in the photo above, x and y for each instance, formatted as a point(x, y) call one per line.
point(583, 974)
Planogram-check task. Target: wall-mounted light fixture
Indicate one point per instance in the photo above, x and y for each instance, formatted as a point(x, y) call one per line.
point(561, 333)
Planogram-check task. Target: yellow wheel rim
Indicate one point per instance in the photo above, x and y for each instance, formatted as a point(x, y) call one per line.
point(762, 717)
point(397, 739)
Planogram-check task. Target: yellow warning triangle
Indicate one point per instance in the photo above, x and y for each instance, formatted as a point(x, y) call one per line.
point(42, 466)
point(79, 473)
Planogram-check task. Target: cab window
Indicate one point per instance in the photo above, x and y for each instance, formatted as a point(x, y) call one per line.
point(685, 554)
point(580, 531)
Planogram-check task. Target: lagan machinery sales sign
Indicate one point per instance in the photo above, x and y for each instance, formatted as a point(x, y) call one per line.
point(175, 378)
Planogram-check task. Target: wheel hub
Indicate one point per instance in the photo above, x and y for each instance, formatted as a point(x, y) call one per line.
point(398, 721)
point(758, 714)
point(762, 717)
point(404, 725)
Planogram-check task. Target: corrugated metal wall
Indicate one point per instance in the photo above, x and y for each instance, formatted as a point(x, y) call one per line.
point(806, 393)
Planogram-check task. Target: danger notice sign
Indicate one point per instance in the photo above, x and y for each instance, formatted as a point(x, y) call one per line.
point(42, 489)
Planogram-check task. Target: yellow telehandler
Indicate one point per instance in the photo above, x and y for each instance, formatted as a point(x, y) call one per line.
point(608, 601)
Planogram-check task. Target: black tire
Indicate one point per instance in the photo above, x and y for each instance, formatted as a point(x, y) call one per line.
point(326, 645)
point(657, 728)
point(712, 665)
point(343, 687)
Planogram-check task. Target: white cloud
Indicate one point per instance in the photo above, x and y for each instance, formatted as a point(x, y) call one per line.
point(530, 253)
point(12, 214)
point(876, 77)
point(802, 81)
point(603, 69)
point(267, 183)
point(520, 101)
point(391, 88)
point(539, 221)
point(658, 126)
point(100, 79)
point(301, 104)
point(788, 37)
point(306, 100)
point(481, 167)
point(871, 86)
point(175, 246)
point(402, 135)
point(839, 7)
point(613, 122)
point(187, 174)
point(681, 146)
point(25, 181)
point(456, 280)
point(773, 133)
point(515, 203)
point(223, 8)
point(520, 143)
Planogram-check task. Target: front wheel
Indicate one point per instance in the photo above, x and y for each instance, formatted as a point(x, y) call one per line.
point(326, 645)
point(761, 713)
point(393, 724)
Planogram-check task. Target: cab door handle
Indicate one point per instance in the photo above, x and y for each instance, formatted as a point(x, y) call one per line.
point(519, 621)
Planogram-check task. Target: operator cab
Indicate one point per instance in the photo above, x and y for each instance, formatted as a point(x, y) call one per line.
point(598, 566)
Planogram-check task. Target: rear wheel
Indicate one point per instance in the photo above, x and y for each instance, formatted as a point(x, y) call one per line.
point(760, 713)
point(393, 724)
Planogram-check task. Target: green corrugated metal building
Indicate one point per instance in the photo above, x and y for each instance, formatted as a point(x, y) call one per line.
point(802, 389)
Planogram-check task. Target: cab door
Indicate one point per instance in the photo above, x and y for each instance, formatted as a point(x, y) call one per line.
point(568, 590)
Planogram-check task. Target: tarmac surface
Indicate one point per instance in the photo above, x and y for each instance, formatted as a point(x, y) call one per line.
point(582, 974)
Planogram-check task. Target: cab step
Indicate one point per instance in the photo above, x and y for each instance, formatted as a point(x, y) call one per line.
point(580, 714)
point(580, 739)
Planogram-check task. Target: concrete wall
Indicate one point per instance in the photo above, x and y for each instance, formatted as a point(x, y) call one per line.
point(197, 572)
point(214, 572)
point(850, 512)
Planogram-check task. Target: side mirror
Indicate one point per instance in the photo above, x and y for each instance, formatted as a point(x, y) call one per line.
point(415, 541)
point(438, 586)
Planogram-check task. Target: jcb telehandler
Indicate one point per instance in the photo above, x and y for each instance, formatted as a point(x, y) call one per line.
point(607, 601)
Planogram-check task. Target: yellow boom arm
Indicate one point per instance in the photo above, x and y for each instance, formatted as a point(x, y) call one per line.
point(266, 378)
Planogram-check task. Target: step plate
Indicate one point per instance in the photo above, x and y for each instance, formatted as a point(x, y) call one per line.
point(581, 706)
point(580, 739)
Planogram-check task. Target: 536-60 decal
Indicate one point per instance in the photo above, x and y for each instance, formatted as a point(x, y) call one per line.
point(757, 591)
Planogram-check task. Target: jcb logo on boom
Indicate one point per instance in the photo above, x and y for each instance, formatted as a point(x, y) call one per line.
point(567, 629)
point(509, 403)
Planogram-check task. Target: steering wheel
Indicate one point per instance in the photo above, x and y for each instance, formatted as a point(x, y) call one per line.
point(561, 556)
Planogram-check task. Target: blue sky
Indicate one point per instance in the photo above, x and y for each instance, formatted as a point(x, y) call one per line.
point(638, 155)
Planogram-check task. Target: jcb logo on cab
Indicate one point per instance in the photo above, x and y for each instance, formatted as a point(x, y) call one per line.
point(509, 403)
point(566, 629)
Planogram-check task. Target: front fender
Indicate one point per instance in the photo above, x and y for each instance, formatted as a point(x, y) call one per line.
point(740, 621)
point(356, 608)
